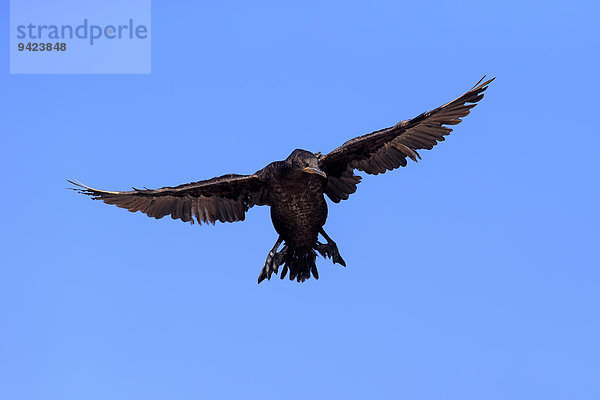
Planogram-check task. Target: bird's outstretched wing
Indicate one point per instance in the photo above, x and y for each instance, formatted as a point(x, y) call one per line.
point(224, 199)
point(388, 148)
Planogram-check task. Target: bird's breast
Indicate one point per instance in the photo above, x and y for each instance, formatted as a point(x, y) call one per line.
point(298, 209)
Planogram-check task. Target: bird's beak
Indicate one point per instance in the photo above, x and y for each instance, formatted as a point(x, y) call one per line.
point(315, 170)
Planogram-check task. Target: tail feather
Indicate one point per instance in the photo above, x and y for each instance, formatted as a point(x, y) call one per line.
point(301, 263)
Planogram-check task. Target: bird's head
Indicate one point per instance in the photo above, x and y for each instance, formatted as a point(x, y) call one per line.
point(305, 161)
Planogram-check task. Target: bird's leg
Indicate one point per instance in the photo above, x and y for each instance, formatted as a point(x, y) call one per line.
point(274, 260)
point(330, 249)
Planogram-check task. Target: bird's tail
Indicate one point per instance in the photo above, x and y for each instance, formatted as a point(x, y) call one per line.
point(300, 262)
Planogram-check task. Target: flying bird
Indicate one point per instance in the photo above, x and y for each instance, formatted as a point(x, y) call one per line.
point(295, 188)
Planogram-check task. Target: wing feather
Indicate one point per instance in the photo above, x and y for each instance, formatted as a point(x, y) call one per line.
point(387, 149)
point(225, 199)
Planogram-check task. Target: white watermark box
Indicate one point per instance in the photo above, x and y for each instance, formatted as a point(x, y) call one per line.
point(80, 37)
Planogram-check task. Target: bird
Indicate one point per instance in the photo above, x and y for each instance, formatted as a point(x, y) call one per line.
point(295, 188)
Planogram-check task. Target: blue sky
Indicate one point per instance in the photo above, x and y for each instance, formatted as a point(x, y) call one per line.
point(472, 274)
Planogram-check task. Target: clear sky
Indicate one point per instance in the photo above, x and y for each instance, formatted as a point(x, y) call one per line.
point(473, 274)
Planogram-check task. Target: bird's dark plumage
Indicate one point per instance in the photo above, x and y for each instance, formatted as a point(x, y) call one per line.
point(295, 187)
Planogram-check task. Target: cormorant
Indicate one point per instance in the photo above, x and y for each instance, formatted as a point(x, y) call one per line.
point(295, 188)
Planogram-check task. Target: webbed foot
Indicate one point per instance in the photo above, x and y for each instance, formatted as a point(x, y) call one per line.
point(330, 250)
point(272, 263)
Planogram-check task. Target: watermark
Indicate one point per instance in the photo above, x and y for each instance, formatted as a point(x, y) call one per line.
point(80, 36)
point(84, 31)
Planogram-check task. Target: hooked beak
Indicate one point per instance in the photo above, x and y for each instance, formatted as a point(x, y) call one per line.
point(315, 170)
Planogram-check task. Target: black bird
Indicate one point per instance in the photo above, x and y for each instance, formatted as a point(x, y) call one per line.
point(295, 188)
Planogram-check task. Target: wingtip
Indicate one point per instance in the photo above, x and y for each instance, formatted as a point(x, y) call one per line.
point(480, 85)
point(479, 81)
point(86, 189)
point(79, 186)
point(73, 182)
